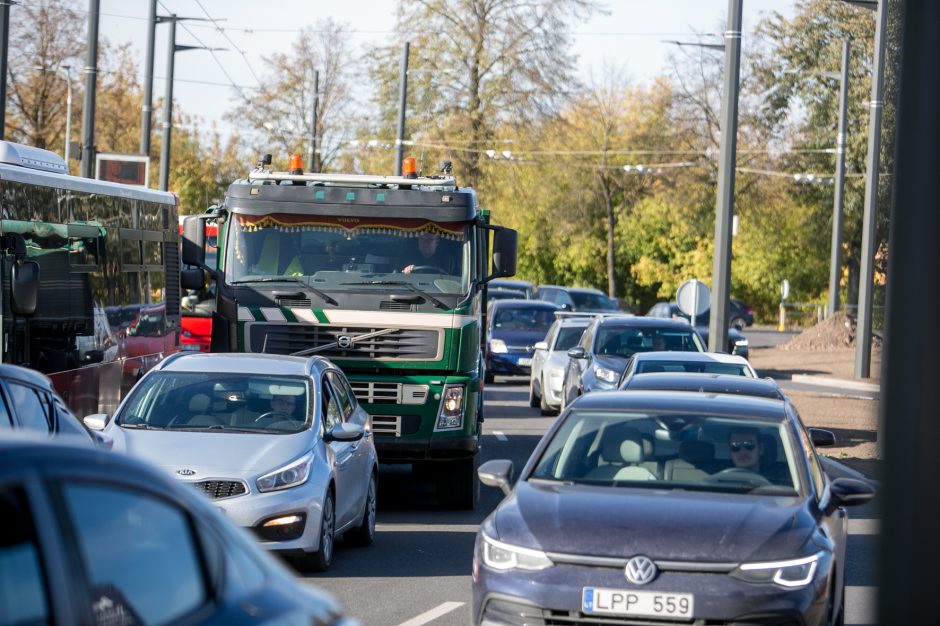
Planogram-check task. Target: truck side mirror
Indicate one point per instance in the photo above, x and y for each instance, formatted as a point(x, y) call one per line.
point(194, 241)
point(25, 287)
point(504, 252)
point(193, 278)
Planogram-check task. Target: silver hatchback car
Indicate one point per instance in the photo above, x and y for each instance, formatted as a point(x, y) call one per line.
point(278, 443)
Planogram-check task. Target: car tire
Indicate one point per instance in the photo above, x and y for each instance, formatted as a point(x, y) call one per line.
point(739, 323)
point(533, 399)
point(458, 486)
point(321, 560)
point(364, 534)
point(489, 377)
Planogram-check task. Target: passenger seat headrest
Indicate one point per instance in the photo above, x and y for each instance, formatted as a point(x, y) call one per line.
point(199, 403)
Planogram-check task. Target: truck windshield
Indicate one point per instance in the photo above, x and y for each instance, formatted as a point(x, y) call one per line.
point(349, 253)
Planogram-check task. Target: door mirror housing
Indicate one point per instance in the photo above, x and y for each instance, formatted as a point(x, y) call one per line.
point(504, 252)
point(497, 473)
point(96, 421)
point(541, 345)
point(344, 431)
point(848, 492)
point(194, 240)
point(193, 278)
point(821, 437)
point(577, 352)
point(25, 287)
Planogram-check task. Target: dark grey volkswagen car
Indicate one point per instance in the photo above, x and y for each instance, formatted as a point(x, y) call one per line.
point(668, 508)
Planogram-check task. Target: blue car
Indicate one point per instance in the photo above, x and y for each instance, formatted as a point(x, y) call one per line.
point(513, 327)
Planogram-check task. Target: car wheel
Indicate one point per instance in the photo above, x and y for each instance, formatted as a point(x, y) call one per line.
point(320, 560)
point(488, 377)
point(458, 486)
point(739, 322)
point(364, 533)
point(533, 399)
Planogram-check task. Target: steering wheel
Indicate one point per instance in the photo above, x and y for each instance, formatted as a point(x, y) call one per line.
point(271, 415)
point(739, 474)
point(428, 269)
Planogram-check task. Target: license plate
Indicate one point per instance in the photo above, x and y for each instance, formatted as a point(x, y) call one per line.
point(189, 347)
point(639, 603)
point(525, 361)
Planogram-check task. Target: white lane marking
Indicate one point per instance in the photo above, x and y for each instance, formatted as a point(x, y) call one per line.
point(500, 435)
point(860, 605)
point(864, 526)
point(524, 403)
point(438, 528)
point(433, 614)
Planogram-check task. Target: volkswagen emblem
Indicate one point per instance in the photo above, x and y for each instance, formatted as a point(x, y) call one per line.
point(344, 341)
point(186, 472)
point(640, 570)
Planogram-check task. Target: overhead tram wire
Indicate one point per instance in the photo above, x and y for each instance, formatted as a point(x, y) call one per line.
point(229, 39)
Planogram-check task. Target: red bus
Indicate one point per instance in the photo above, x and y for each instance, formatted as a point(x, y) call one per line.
point(90, 277)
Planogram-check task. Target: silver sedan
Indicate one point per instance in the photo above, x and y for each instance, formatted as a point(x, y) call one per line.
point(550, 359)
point(278, 443)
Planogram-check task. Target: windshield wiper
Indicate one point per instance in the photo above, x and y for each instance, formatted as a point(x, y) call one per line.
point(140, 426)
point(288, 279)
point(216, 428)
point(401, 283)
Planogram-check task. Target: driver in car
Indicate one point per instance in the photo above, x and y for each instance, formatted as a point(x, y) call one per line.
point(429, 256)
point(746, 449)
point(282, 408)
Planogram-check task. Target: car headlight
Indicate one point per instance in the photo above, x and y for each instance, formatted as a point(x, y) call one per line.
point(741, 342)
point(504, 556)
point(293, 474)
point(450, 416)
point(606, 375)
point(498, 346)
point(791, 573)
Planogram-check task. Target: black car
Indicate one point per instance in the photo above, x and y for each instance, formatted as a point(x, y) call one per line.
point(737, 342)
point(599, 359)
point(580, 299)
point(667, 508)
point(94, 537)
point(705, 383)
point(513, 327)
point(29, 402)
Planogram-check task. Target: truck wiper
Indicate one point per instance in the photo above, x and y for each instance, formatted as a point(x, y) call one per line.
point(401, 283)
point(287, 279)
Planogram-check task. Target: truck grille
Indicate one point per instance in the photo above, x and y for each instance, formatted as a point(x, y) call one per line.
point(399, 345)
point(217, 489)
point(389, 393)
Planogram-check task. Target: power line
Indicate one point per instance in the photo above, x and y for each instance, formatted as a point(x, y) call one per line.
point(229, 39)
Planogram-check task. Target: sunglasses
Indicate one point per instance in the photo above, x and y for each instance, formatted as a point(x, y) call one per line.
point(737, 445)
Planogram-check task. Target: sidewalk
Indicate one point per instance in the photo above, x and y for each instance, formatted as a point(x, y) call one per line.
point(854, 421)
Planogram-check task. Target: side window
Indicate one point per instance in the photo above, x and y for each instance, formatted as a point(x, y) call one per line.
point(564, 298)
point(550, 337)
point(23, 596)
point(588, 337)
point(547, 294)
point(342, 394)
point(139, 552)
point(31, 407)
point(331, 411)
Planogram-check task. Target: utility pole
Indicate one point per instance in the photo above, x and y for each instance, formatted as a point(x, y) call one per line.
point(835, 272)
point(4, 46)
point(146, 108)
point(727, 160)
point(869, 221)
point(313, 122)
point(91, 85)
point(402, 98)
point(167, 125)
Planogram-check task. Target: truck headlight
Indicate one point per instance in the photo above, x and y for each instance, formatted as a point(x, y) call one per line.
point(504, 556)
point(291, 475)
point(450, 415)
point(498, 346)
point(792, 573)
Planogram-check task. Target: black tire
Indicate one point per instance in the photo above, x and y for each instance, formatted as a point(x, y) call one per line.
point(458, 486)
point(533, 399)
point(489, 377)
point(321, 560)
point(364, 534)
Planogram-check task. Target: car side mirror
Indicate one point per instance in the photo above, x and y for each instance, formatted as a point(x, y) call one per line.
point(565, 307)
point(848, 492)
point(541, 345)
point(821, 437)
point(577, 352)
point(344, 431)
point(25, 287)
point(96, 421)
point(497, 473)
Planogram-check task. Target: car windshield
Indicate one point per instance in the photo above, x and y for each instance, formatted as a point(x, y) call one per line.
point(623, 341)
point(349, 253)
point(672, 451)
point(568, 337)
point(589, 300)
point(733, 369)
point(535, 319)
point(215, 402)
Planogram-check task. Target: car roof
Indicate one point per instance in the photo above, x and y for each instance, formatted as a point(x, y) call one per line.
point(520, 303)
point(691, 357)
point(638, 321)
point(241, 363)
point(24, 374)
point(505, 282)
point(684, 402)
point(706, 383)
point(576, 289)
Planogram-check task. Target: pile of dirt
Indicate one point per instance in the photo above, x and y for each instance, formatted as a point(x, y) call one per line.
point(836, 332)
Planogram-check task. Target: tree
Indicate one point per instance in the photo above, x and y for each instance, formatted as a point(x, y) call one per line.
point(478, 64)
point(278, 114)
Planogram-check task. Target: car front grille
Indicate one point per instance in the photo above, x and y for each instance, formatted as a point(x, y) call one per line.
point(218, 489)
point(402, 344)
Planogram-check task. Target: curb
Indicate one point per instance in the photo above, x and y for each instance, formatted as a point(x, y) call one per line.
point(823, 381)
point(840, 470)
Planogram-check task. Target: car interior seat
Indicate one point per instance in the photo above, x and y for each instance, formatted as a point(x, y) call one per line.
point(200, 407)
point(621, 456)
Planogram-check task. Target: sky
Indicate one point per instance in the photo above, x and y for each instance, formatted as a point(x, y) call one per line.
point(630, 35)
